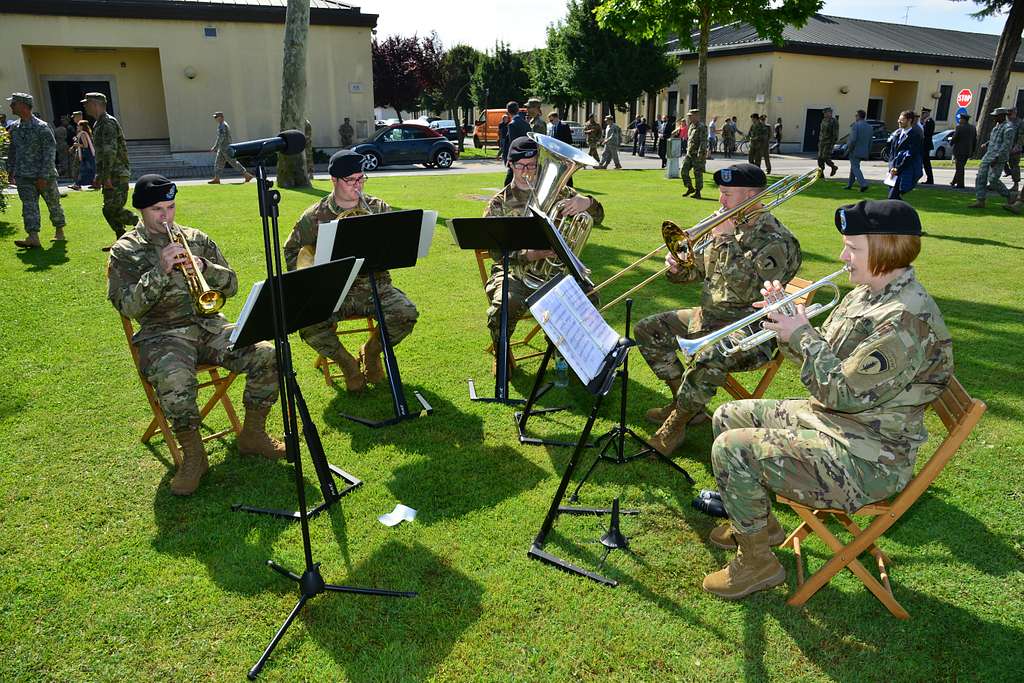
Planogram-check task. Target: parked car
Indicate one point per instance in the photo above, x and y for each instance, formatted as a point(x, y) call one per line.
point(879, 142)
point(578, 138)
point(447, 128)
point(942, 148)
point(407, 143)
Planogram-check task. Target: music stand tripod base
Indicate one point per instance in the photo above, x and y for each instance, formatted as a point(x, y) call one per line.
point(536, 552)
point(352, 483)
point(425, 409)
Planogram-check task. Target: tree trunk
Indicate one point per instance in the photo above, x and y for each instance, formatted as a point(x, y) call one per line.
point(291, 170)
point(1006, 52)
point(702, 65)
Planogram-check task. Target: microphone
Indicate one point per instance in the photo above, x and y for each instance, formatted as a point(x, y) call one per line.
point(287, 142)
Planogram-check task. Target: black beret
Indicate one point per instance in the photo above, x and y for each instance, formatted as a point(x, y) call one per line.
point(152, 189)
point(522, 148)
point(740, 175)
point(344, 163)
point(878, 217)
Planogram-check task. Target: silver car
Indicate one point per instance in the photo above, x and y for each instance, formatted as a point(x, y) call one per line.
point(578, 138)
point(942, 148)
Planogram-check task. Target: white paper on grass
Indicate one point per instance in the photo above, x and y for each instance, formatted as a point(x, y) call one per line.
point(400, 514)
point(576, 327)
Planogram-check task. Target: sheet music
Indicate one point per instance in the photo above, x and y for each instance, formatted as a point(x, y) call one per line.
point(426, 232)
point(576, 328)
point(250, 301)
point(325, 237)
point(356, 267)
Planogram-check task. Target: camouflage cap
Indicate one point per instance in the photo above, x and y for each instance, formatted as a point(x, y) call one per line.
point(533, 102)
point(997, 111)
point(693, 111)
point(77, 113)
point(95, 97)
point(218, 113)
point(22, 97)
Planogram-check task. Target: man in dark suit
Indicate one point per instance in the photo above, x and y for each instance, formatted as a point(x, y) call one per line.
point(560, 131)
point(965, 139)
point(518, 126)
point(928, 129)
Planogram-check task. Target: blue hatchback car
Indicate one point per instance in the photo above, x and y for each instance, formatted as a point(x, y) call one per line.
point(407, 143)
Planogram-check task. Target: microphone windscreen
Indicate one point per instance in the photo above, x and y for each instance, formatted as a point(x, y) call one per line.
point(294, 141)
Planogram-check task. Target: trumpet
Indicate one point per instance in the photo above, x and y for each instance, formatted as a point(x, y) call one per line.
point(730, 346)
point(206, 300)
point(686, 245)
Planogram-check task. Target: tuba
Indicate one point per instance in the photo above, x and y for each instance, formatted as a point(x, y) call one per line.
point(205, 300)
point(307, 254)
point(556, 162)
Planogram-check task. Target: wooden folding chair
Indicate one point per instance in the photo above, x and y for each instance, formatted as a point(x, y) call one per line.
point(220, 385)
point(770, 368)
point(324, 364)
point(959, 413)
point(531, 350)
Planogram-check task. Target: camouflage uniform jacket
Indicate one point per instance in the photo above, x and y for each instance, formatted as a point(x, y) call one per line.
point(537, 125)
point(697, 140)
point(874, 367)
point(999, 142)
point(829, 132)
point(1018, 136)
point(223, 138)
point(729, 131)
point(140, 289)
point(32, 150)
point(734, 268)
point(593, 133)
point(308, 226)
point(111, 150)
point(512, 202)
point(757, 134)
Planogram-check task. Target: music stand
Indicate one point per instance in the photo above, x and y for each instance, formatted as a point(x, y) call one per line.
point(507, 234)
point(311, 582)
point(364, 237)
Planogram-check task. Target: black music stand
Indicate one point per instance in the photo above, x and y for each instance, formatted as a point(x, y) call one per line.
point(507, 234)
point(385, 241)
point(311, 582)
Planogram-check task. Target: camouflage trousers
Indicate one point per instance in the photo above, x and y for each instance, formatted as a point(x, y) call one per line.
point(517, 294)
point(29, 195)
point(760, 448)
point(169, 363)
point(114, 199)
point(400, 316)
point(592, 151)
point(988, 179)
point(656, 338)
point(75, 166)
point(223, 158)
point(825, 156)
point(697, 165)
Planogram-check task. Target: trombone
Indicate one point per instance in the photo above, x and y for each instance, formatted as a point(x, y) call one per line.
point(730, 346)
point(686, 245)
point(206, 300)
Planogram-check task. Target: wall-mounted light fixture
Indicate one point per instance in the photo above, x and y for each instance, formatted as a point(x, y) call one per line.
point(844, 89)
point(190, 73)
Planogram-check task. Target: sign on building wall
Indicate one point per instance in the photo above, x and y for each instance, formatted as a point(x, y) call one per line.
point(964, 98)
point(356, 87)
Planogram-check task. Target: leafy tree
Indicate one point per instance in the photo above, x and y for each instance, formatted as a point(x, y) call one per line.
point(551, 72)
point(403, 68)
point(1006, 53)
point(291, 170)
point(689, 19)
point(499, 78)
point(452, 89)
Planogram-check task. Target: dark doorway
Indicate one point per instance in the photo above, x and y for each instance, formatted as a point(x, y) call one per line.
point(66, 96)
point(693, 96)
point(812, 127)
point(875, 108)
point(673, 103)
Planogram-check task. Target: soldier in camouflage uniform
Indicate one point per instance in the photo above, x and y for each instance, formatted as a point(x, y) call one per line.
point(756, 136)
point(766, 143)
point(728, 138)
point(592, 130)
point(221, 147)
point(990, 167)
point(879, 359)
point(736, 262)
point(74, 162)
point(828, 135)
point(347, 177)
point(696, 154)
point(145, 282)
point(537, 124)
point(512, 201)
point(612, 139)
point(112, 170)
point(346, 133)
point(30, 167)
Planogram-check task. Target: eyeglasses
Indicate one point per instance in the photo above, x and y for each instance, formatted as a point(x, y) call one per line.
point(354, 181)
point(526, 167)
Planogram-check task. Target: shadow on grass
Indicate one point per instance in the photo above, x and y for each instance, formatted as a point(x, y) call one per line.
point(975, 241)
point(37, 260)
point(7, 229)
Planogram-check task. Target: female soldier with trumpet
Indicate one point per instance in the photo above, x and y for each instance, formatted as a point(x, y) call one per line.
point(879, 359)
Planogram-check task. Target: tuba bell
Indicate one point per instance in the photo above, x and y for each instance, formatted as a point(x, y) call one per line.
point(307, 254)
point(556, 162)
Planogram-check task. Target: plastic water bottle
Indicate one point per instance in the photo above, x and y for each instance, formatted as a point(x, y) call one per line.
point(561, 372)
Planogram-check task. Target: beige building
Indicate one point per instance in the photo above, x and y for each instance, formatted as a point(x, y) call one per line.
point(846, 64)
point(166, 65)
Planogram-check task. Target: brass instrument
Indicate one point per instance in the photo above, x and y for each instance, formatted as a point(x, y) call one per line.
point(686, 245)
point(206, 300)
point(556, 162)
point(307, 254)
point(730, 345)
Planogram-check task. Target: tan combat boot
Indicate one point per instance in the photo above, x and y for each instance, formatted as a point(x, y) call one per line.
point(254, 440)
point(1015, 207)
point(754, 568)
point(724, 536)
point(978, 204)
point(354, 379)
point(248, 176)
point(671, 433)
point(215, 181)
point(193, 463)
point(369, 357)
point(657, 415)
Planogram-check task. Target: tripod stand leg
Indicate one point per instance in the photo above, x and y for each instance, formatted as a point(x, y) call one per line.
point(255, 670)
point(370, 591)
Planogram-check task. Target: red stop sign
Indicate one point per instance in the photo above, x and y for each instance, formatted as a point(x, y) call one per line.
point(963, 99)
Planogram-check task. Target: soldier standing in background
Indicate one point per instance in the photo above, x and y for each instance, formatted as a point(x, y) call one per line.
point(74, 162)
point(1015, 129)
point(766, 143)
point(997, 150)
point(220, 147)
point(60, 134)
point(754, 135)
point(828, 135)
point(112, 169)
point(728, 137)
point(592, 131)
point(696, 154)
point(612, 139)
point(964, 140)
point(346, 133)
point(31, 168)
point(537, 124)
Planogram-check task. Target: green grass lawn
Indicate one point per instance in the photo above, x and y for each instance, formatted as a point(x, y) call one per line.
point(471, 152)
point(106, 576)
